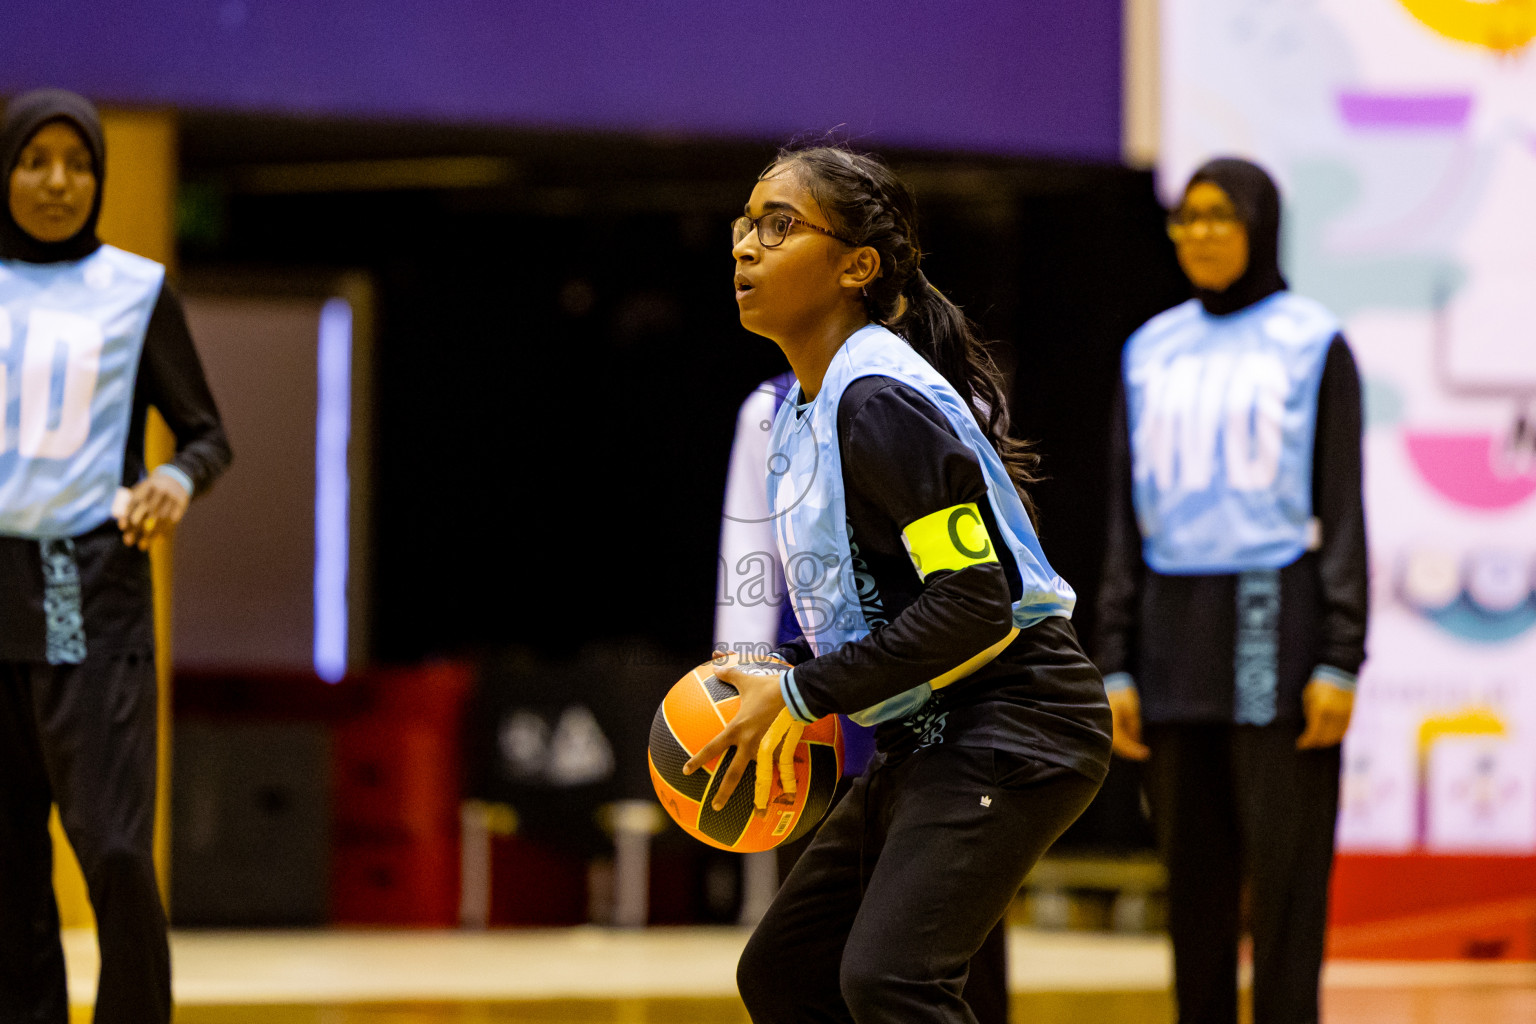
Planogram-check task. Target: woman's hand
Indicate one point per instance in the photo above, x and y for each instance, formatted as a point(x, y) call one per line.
point(1328, 709)
point(1125, 721)
point(761, 703)
point(155, 505)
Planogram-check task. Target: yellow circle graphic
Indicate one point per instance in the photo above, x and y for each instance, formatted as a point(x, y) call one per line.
point(1500, 25)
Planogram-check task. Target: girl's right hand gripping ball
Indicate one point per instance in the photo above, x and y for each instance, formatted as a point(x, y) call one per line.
point(691, 714)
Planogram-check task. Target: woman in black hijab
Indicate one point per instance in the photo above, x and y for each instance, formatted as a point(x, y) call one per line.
point(1232, 610)
point(90, 338)
point(1253, 197)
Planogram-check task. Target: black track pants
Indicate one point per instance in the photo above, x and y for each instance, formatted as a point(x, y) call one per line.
point(911, 871)
point(82, 736)
point(1232, 803)
point(986, 984)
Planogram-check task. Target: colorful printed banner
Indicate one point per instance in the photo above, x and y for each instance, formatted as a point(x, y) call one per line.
point(1403, 133)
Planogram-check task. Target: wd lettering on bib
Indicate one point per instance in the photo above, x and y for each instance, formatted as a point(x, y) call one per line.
point(1222, 412)
point(951, 538)
point(70, 339)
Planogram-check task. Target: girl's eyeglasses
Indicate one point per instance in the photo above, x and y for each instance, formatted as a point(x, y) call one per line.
point(1218, 223)
point(773, 227)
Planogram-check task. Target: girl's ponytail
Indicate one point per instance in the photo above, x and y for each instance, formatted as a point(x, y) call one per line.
point(941, 333)
point(873, 207)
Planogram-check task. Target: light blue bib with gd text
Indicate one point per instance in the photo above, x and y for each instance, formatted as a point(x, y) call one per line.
point(70, 339)
point(806, 499)
point(1222, 411)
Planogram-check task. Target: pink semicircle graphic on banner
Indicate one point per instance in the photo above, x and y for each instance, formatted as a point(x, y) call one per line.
point(1465, 468)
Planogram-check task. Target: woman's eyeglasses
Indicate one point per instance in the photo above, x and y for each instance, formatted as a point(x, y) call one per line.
point(773, 227)
point(1218, 223)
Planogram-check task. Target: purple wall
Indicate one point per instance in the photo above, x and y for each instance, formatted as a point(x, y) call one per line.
point(1038, 77)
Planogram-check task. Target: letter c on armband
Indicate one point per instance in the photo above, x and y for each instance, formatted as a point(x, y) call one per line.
point(951, 538)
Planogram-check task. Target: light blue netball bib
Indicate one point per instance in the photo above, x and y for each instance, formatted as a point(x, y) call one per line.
point(70, 339)
point(1222, 412)
point(805, 496)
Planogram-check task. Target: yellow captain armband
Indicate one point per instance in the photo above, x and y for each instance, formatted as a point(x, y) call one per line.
point(951, 538)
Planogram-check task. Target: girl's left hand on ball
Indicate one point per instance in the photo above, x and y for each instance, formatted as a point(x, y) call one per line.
point(761, 703)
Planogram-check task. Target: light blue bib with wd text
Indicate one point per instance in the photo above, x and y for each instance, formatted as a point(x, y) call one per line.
point(805, 497)
point(1222, 411)
point(70, 339)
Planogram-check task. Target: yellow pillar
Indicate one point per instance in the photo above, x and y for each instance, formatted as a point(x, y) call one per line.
point(1140, 83)
point(137, 214)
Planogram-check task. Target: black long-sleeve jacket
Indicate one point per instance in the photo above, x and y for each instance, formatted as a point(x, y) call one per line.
point(1041, 698)
point(1174, 635)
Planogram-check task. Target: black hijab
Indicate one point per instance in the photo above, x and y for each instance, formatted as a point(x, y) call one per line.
point(24, 116)
point(1257, 200)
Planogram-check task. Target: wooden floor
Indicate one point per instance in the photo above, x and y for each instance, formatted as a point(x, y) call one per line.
point(1472, 1005)
point(685, 976)
point(1067, 1008)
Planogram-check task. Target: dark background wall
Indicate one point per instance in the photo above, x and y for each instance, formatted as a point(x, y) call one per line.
point(540, 195)
point(540, 192)
point(559, 360)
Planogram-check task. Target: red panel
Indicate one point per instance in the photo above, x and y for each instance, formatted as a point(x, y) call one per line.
point(433, 692)
point(407, 882)
point(394, 780)
point(1423, 907)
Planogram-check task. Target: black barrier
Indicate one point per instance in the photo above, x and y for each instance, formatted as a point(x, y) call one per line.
point(559, 739)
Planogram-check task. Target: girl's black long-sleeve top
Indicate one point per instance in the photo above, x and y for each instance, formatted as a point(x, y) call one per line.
point(1174, 635)
point(1040, 698)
